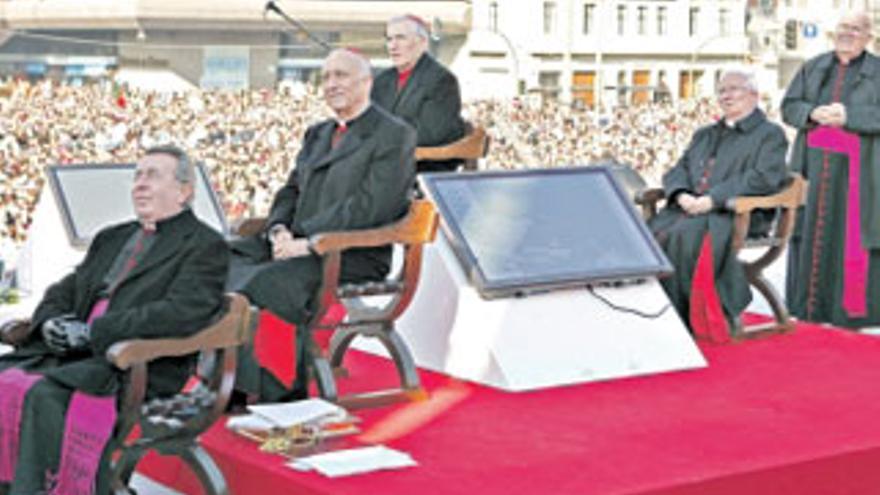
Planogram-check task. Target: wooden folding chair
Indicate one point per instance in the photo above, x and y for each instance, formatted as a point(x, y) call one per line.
point(772, 245)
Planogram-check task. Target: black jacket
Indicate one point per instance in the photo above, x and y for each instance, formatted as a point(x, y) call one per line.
point(430, 102)
point(176, 290)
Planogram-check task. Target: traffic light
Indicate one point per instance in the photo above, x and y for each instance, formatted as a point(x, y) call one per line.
point(791, 34)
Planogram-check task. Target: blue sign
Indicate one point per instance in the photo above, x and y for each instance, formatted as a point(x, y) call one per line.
point(35, 68)
point(810, 30)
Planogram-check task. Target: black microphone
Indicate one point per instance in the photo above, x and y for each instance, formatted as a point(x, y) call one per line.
point(271, 6)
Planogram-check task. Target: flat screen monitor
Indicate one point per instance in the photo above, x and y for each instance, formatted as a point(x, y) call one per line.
point(521, 232)
point(91, 197)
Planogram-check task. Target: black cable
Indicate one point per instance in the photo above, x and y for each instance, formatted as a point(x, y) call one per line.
point(272, 6)
point(623, 309)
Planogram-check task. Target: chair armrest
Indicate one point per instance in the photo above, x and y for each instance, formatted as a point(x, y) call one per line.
point(791, 196)
point(651, 195)
point(233, 329)
point(245, 227)
point(648, 199)
point(470, 147)
point(418, 226)
point(15, 332)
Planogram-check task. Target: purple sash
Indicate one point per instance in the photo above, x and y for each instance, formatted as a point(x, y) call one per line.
point(14, 386)
point(88, 426)
point(855, 259)
point(90, 422)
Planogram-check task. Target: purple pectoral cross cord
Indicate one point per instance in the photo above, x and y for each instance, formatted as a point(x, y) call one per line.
point(855, 264)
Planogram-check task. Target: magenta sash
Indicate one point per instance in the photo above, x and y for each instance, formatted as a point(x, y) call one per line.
point(14, 386)
point(89, 424)
point(855, 258)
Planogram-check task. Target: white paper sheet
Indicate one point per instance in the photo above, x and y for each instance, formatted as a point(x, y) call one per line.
point(249, 422)
point(294, 413)
point(354, 461)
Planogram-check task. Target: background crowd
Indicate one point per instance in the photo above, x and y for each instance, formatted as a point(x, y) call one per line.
point(248, 139)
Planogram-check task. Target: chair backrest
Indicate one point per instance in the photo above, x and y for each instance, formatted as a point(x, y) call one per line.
point(216, 345)
point(786, 201)
point(170, 425)
point(470, 148)
point(412, 232)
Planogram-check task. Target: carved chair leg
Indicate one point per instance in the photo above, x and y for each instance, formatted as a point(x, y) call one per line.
point(212, 479)
point(323, 375)
point(122, 470)
point(340, 342)
point(410, 388)
point(781, 319)
point(780, 312)
point(406, 365)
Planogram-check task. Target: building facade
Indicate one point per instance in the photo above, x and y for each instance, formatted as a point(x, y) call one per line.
point(602, 51)
point(785, 33)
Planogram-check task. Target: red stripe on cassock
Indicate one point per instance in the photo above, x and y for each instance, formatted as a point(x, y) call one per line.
point(706, 314)
point(275, 343)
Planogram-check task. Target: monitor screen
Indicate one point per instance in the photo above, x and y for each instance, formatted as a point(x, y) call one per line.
point(91, 197)
point(518, 232)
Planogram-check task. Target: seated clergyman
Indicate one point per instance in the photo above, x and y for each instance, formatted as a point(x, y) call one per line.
point(159, 276)
point(354, 171)
point(741, 154)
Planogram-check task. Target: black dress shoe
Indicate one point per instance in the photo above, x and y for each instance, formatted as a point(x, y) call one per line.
point(238, 402)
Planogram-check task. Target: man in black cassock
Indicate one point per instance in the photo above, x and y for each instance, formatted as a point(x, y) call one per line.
point(419, 90)
point(354, 171)
point(160, 276)
point(741, 154)
point(837, 91)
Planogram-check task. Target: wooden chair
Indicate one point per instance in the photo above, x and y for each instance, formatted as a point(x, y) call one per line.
point(470, 148)
point(172, 425)
point(771, 246)
point(412, 232)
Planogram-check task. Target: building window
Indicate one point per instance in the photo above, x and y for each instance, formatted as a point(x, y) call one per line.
point(724, 22)
point(589, 15)
point(493, 16)
point(661, 20)
point(549, 17)
point(549, 83)
point(642, 21)
point(621, 20)
point(693, 17)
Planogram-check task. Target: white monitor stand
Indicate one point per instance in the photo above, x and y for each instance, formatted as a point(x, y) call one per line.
point(543, 340)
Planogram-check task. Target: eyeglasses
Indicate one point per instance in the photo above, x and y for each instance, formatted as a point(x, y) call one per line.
point(850, 28)
point(730, 89)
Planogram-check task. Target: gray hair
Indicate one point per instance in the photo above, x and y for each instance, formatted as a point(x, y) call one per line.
point(185, 172)
point(747, 75)
point(421, 28)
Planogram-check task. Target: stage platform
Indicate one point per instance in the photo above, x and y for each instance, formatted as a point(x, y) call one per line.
point(791, 414)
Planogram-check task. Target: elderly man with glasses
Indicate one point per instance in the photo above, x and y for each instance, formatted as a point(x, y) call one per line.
point(740, 154)
point(158, 276)
point(834, 103)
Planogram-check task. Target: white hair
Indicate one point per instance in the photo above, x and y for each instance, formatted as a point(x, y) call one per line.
point(420, 29)
point(746, 74)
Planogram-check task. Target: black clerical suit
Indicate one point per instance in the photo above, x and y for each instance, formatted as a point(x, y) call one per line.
point(362, 182)
point(816, 260)
point(430, 102)
point(721, 162)
point(174, 290)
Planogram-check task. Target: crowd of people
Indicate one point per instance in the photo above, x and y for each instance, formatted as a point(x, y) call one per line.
point(249, 139)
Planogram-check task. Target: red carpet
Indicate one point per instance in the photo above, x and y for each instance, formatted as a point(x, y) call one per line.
point(792, 414)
